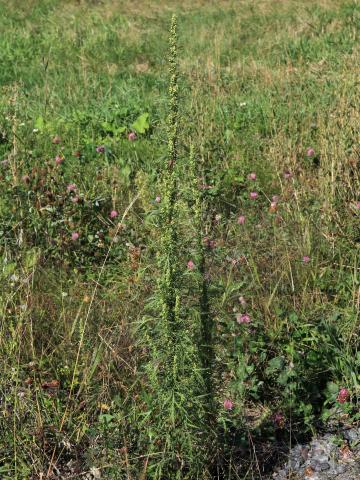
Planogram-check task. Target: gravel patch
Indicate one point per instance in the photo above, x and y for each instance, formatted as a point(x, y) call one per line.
point(327, 457)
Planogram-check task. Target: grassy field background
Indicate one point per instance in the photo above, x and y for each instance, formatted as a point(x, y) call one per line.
point(266, 87)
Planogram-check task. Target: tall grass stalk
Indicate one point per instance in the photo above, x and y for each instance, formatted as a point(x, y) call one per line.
point(176, 418)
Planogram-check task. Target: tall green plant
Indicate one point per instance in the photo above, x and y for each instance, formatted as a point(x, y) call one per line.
point(205, 342)
point(175, 422)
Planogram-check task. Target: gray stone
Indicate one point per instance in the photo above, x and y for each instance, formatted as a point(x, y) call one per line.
point(320, 466)
point(352, 435)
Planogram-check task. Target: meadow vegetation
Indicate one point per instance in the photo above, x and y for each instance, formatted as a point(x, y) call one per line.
point(179, 234)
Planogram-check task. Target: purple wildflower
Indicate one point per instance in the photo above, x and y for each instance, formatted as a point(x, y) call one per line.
point(310, 152)
point(228, 404)
point(243, 318)
point(190, 265)
point(343, 395)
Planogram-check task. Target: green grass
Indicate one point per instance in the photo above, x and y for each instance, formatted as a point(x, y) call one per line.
point(260, 83)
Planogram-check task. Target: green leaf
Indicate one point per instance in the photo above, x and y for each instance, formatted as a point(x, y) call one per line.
point(31, 258)
point(106, 418)
point(108, 127)
point(40, 124)
point(332, 388)
point(141, 124)
point(125, 172)
point(275, 364)
point(119, 130)
point(283, 378)
point(9, 268)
